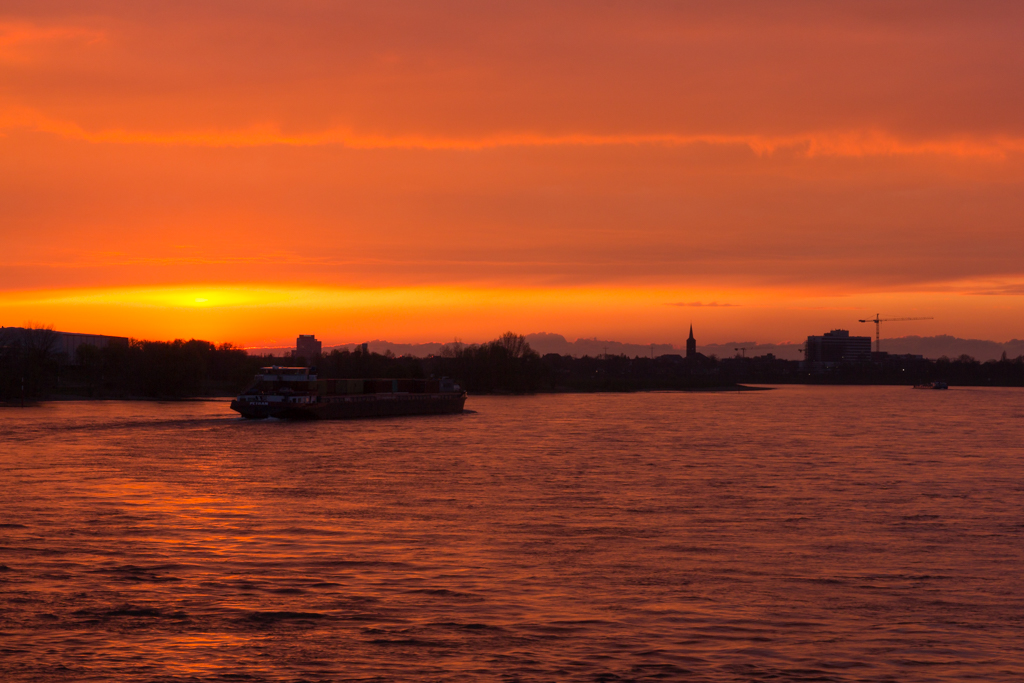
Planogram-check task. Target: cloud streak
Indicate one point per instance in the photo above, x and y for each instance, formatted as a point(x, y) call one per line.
point(852, 143)
point(17, 37)
point(698, 304)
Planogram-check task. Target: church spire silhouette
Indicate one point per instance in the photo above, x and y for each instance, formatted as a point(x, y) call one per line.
point(691, 344)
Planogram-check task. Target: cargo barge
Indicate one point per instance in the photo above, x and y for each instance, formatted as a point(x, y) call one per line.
point(297, 394)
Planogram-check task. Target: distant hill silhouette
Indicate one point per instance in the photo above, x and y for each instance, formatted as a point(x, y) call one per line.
point(929, 347)
point(547, 342)
point(945, 345)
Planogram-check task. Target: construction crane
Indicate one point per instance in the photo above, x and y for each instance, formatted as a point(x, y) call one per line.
point(878, 327)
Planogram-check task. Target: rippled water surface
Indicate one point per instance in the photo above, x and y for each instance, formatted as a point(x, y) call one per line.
point(801, 534)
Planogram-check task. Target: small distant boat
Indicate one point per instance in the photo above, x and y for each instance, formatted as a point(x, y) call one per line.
point(932, 385)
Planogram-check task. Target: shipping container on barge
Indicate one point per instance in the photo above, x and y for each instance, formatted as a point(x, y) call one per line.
point(297, 394)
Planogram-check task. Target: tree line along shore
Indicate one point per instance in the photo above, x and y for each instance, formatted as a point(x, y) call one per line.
point(30, 370)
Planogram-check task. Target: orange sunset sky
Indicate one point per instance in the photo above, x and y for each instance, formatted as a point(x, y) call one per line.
point(418, 171)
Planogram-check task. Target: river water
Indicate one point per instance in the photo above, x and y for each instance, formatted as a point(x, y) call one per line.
point(800, 534)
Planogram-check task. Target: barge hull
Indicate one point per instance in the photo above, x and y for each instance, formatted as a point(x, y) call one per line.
point(356, 407)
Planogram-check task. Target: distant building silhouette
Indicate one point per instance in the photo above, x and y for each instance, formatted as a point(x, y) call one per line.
point(64, 345)
point(308, 347)
point(694, 362)
point(836, 347)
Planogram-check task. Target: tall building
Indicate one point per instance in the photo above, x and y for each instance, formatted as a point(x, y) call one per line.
point(691, 344)
point(308, 347)
point(837, 346)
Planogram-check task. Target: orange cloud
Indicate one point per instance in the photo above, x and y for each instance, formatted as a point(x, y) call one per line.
point(699, 304)
point(13, 34)
point(848, 144)
point(799, 161)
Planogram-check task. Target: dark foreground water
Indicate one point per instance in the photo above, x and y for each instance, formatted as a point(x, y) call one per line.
point(803, 534)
